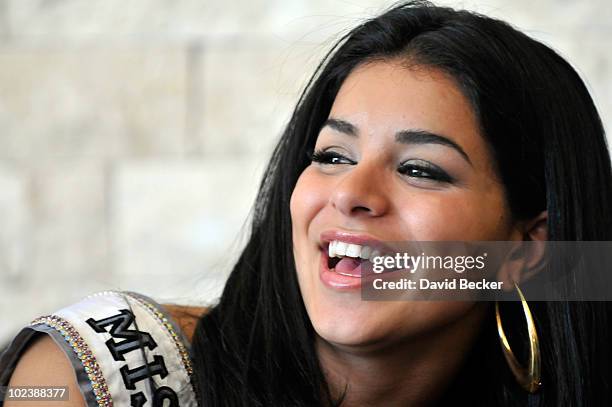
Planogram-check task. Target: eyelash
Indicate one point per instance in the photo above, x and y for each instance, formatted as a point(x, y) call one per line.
point(435, 174)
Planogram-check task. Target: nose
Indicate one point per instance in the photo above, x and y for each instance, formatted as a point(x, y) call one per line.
point(360, 192)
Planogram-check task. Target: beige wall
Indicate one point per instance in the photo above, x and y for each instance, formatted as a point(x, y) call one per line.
point(133, 133)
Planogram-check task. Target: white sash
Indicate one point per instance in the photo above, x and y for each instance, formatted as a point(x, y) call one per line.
point(125, 350)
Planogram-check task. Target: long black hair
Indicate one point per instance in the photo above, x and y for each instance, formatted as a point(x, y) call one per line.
point(256, 347)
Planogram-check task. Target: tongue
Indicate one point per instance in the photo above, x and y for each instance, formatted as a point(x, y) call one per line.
point(349, 266)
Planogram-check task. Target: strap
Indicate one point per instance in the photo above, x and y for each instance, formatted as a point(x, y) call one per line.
point(124, 348)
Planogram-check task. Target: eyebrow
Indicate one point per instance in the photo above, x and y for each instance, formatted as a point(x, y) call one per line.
point(414, 136)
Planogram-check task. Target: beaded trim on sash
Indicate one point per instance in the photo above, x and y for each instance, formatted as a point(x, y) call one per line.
point(177, 337)
point(103, 334)
point(80, 348)
point(161, 318)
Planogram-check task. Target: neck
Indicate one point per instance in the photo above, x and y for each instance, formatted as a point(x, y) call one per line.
point(414, 372)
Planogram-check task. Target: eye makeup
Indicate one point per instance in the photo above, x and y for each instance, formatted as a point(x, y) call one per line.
point(412, 168)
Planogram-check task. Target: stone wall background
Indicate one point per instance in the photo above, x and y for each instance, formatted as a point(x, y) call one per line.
point(133, 134)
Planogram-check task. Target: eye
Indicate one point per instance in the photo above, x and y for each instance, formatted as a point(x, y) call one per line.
point(330, 157)
point(424, 169)
point(413, 169)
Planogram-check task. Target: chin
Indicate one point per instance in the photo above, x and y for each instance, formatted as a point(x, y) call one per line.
point(349, 326)
point(346, 334)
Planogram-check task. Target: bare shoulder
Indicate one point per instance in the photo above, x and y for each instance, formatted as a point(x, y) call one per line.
point(44, 364)
point(186, 317)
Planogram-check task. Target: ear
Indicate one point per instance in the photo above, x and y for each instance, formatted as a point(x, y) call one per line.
point(524, 260)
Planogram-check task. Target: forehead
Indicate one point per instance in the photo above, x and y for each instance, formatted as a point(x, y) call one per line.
point(383, 97)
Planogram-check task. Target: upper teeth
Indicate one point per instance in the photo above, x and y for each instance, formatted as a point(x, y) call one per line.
point(339, 249)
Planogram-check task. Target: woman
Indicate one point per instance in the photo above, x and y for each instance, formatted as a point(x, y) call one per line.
point(424, 123)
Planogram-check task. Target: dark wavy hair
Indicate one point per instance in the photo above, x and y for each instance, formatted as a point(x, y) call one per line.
point(256, 347)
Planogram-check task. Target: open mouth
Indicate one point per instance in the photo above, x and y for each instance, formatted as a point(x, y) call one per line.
point(353, 260)
point(346, 266)
point(349, 259)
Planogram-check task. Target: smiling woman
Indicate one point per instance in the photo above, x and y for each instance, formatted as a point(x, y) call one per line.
point(382, 172)
point(422, 124)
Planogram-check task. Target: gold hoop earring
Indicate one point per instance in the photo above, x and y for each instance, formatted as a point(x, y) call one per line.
point(529, 378)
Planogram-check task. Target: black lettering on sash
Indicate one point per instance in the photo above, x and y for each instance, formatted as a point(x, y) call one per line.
point(132, 339)
point(162, 394)
point(165, 393)
point(131, 376)
point(138, 399)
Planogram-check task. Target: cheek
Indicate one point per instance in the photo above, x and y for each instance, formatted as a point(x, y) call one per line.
point(459, 215)
point(308, 198)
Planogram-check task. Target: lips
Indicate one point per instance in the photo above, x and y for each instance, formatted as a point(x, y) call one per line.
point(342, 281)
point(346, 272)
point(349, 237)
point(332, 279)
